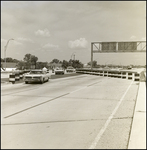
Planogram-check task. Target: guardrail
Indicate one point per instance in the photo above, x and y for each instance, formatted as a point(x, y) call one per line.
point(123, 74)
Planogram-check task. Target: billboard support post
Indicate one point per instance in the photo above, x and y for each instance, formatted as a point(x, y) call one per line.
point(91, 55)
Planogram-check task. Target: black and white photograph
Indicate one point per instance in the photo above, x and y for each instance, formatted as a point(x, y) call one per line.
point(73, 74)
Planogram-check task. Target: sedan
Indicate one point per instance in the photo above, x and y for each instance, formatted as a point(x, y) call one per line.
point(59, 71)
point(70, 69)
point(36, 76)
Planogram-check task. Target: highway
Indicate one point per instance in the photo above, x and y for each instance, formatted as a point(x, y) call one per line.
point(77, 112)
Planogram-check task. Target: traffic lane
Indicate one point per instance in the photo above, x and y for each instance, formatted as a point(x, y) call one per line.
point(86, 116)
point(58, 135)
point(11, 88)
point(5, 79)
point(23, 96)
point(33, 95)
point(53, 76)
point(52, 84)
point(117, 133)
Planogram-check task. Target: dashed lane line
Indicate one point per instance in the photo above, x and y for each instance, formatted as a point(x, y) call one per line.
point(35, 105)
point(48, 101)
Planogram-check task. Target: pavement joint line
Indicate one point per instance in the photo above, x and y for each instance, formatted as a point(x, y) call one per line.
point(94, 143)
point(96, 99)
point(52, 121)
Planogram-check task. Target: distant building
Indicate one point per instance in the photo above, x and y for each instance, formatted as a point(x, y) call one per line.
point(54, 65)
point(9, 66)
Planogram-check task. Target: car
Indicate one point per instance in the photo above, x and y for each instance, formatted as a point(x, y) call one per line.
point(59, 71)
point(129, 67)
point(47, 71)
point(106, 68)
point(70, 69)
point(37, 75)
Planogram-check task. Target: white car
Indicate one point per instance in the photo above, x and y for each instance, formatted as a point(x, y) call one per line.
point(70, 69)
point(59, 71)
point(37, 75)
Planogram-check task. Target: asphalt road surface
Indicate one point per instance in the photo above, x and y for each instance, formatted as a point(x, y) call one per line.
point(78, 112)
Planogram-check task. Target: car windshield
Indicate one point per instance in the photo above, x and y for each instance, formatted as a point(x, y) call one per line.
point(36, 72)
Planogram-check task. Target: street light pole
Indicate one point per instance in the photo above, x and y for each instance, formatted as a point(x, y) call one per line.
point(73, 54)
point(5, 51)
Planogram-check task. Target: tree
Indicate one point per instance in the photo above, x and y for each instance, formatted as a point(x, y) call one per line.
point(2, 60)
point(30, 60)
point(56, 61)
point(94, 63)
point(75, 63)
point(34, 60)
point(21, 65)
point(15, 61)
point(9, 59)
point(40, 65)
point(65, 64)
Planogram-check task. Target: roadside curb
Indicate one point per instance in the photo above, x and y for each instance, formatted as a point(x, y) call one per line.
point(138, 131)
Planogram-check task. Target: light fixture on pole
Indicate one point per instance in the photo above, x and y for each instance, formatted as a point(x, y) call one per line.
point(5, 51)
point(73, 54)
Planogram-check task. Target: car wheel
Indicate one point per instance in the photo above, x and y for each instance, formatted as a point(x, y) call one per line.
point(42, 81)
point(26, 82)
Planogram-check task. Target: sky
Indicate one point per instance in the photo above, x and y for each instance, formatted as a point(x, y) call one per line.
point(60, 29)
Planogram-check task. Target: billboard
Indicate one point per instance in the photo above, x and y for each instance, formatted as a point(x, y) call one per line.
point(108, 46)
point(127, 46)
point(122, 46)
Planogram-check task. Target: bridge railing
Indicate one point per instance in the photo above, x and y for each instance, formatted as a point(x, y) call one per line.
point(123, 74)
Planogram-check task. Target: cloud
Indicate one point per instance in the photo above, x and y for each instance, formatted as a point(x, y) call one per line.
point(133, 37)
point(48, 45)
point(25, 39)
point(17, 43)
point(44, 32)
point(79, 43)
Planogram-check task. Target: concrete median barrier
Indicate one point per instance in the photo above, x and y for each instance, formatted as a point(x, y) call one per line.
point(12, 78)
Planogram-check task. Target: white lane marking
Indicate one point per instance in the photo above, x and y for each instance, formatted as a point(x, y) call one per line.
point(84, 87)
point(93, 145)
point(78, 89)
